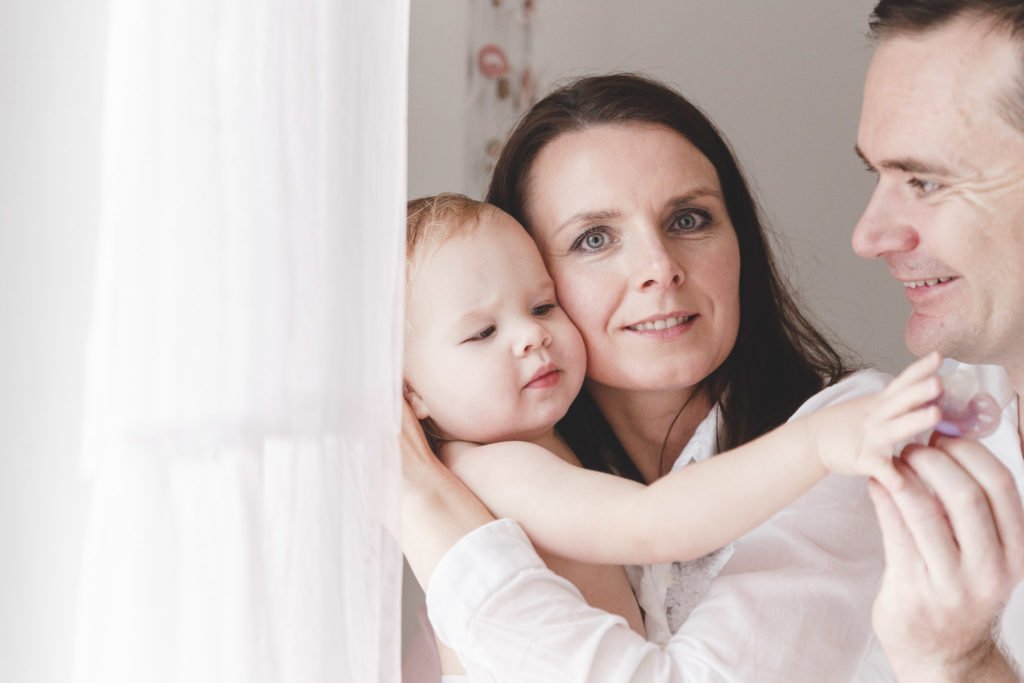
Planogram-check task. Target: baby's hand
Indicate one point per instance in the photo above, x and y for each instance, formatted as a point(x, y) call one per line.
point(877, 425)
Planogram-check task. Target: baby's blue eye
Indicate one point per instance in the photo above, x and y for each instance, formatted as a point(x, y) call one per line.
point(542, 310)
point(482, 334)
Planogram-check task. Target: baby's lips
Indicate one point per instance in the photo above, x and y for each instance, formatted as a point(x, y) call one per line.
point(979, 419)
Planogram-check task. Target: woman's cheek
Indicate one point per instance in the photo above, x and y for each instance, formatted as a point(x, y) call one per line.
point(583, 299)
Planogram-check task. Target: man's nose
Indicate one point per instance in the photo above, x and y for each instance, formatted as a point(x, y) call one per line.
point(883, 229)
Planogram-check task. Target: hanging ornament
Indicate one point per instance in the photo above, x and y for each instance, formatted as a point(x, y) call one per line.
point(501, 81)
point(492, 61)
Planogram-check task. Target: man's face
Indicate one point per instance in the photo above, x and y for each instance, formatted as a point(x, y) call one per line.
point(948, 212)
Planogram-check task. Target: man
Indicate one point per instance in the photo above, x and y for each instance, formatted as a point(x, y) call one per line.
point(943, 127)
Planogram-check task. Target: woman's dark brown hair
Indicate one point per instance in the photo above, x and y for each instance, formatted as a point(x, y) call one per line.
point(779, 359)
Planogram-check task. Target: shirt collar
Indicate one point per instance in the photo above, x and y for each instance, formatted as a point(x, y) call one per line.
point(704, 442)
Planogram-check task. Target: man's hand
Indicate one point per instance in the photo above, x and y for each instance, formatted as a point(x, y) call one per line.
point(954, 547)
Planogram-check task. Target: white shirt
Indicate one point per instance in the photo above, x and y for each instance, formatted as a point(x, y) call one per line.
point(1005, 443)
point(792, 603)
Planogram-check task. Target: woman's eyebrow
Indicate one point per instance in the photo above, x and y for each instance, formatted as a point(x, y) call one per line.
point(588, 217)
point(697, 193)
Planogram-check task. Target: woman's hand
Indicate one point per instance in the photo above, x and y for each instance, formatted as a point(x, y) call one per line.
point(437, 509)
point(419, 464)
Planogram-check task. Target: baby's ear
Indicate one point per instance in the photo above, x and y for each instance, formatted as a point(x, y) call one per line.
point(419, 406)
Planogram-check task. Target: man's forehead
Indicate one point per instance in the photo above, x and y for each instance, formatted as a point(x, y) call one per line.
point(966, 62)
point(927, 94)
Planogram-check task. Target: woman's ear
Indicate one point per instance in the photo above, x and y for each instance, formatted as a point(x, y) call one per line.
point(419, 406)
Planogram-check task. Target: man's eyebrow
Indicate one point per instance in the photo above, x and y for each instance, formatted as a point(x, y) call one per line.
point(905, 164)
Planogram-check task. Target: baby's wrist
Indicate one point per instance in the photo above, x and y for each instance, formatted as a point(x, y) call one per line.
point(815, 433)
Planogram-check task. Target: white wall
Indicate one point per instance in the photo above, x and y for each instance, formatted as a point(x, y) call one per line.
point(781, 79)
point(50, 77)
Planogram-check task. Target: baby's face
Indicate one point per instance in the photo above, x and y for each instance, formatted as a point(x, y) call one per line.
point(489, 353)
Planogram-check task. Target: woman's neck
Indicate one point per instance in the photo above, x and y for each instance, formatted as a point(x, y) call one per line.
point(552, 441)
point(641, 420)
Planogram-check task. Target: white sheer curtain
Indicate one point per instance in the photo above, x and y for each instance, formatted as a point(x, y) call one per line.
point(245, 357)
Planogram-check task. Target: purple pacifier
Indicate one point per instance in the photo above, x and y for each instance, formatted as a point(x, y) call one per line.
point(966, 411)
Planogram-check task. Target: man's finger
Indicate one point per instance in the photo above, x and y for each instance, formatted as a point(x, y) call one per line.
point(965, 503)
point(1004, 498)
point(926, 521)
point(901, 557)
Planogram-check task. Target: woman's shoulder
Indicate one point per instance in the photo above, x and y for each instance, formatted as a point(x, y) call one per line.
point(855, 384)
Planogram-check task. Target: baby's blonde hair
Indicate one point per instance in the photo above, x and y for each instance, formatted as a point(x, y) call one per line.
point(430, 222)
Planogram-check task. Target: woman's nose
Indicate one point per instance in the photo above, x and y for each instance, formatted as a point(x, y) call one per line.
point(656, 267)
point(884, 228)
point(532, 336)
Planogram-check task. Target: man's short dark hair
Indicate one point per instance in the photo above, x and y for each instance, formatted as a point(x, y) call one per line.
point(908, 17)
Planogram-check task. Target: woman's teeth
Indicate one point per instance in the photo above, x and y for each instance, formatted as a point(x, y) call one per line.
point(663, 324)
point(923, 283)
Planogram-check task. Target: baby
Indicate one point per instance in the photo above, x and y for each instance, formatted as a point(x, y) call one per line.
point(492, 364)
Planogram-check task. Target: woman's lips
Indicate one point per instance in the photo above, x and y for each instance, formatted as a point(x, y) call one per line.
point(666, 327)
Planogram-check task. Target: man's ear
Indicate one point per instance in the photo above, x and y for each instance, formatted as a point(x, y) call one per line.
point(419, 406)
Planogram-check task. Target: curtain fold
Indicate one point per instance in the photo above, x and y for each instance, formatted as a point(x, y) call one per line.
point(244, 364)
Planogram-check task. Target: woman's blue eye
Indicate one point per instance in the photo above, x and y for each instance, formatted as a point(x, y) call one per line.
point(690, 220)
point(542, 310)
point(593, 239)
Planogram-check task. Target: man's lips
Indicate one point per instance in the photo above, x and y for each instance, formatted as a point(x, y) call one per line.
point(927, 282)
point(546, 376)
point(919, 291)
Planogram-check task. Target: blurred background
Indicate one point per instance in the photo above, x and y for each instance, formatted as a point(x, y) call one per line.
point(781, 79)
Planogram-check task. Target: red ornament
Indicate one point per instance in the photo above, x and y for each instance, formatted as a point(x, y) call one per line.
point(492, 61)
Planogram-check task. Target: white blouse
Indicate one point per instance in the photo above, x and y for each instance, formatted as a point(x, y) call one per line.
point(789, 602)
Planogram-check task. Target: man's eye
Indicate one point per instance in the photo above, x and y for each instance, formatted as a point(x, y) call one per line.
point(482, 334)
point(925, 187)
point(543, 310)
point(690, 220)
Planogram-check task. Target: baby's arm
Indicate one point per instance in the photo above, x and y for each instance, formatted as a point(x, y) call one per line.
point(604, 519)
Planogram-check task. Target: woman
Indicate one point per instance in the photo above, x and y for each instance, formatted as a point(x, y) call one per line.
point(694, 346)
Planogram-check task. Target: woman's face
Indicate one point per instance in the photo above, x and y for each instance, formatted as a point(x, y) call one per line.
point(632, 225)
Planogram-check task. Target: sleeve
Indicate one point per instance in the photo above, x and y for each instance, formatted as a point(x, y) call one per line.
point(792, 604)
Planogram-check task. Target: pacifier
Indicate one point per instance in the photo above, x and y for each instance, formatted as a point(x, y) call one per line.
point(966, 411)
